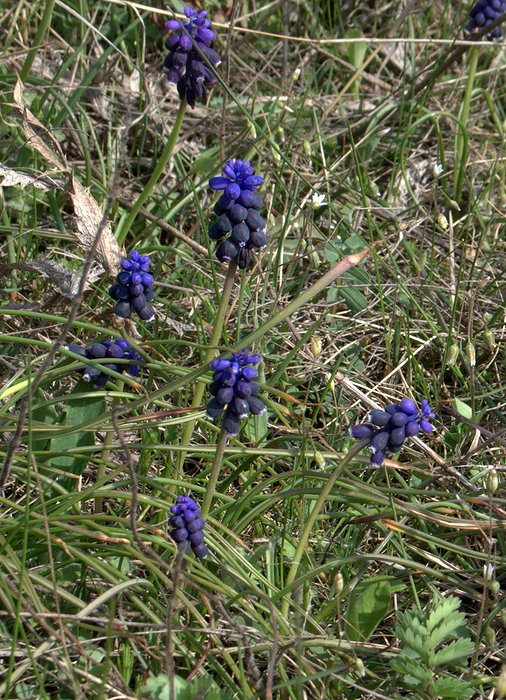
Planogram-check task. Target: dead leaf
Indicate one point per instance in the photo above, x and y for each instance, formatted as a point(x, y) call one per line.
point(88, 215)
point(11, 178)
point(37, 134)
point(67, 281)
point(89, 219)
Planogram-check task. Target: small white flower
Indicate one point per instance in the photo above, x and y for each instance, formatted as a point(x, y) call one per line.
point(437, 169)
point(488, 571)
point(317, 201)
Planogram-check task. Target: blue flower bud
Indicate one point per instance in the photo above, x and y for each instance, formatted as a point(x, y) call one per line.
point(257, 239)
point(399, 419)
point(256, 405)
point(408, 406)
point(214, 409)
point(231, 422)
point(240, 234)
point(412, 428)
point(361, 432)
point(226, 251)
point(378, 417)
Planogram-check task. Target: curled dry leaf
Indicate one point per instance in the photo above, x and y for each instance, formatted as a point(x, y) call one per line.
point(66, 281)
point(88, 215)
point(12, 178)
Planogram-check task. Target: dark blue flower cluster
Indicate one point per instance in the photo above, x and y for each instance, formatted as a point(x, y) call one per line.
point(134, 287)
point(390, 428)
point(117, 349)
point(485, 12)
point(189, 51)
point(188, 526)
point(234, 390)
point(240, 227)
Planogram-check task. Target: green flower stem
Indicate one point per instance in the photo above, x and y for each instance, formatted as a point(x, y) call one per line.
point(160, 167)
point(215, 472)
point(461, 141)
point(108, 442)
point(304, 538)
point(211, 353)
point(35, 47)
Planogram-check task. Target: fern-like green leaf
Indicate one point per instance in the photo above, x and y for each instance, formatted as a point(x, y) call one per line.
point(453, 653)
point(451, 688)
point(411, 667)
point(413, 634)
point(418, 641)
point(445, 621)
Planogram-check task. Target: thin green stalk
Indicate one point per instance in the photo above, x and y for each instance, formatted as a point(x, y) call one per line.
point(39, 35)
point(215, 472)
point(160, 167)
point(461, 145)
point(303, 540)
point(210, 354)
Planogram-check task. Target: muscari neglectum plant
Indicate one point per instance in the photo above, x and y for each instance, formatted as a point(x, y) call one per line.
point(191, 65)
point(188, 526)
point(110, 350)
point(189, 54)
point(134, 287)
point(386, 431)
point(234, 390)
point(240, 228)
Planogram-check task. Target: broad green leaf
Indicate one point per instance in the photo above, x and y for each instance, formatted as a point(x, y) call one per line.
point(451, 688)
point(206, 161)
point(46, 414)
point(77, 411)
point(357, 49)
point(457, 651)
point(354, 244)
point(353, 298)
point(333, 251)
point(158, 688)
point(463, 408)
point(205, 688)
point(23, 690)
point(368, 604)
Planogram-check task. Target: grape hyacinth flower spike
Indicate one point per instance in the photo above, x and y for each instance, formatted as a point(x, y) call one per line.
point(188, 526)
point(386, 431)
point(234, 390)
point(189, 54)
point(485, 12)
point(239, 228)
point(112, 350)
point(134, 287)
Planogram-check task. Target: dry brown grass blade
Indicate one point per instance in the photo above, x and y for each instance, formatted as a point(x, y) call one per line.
point(88, 214)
